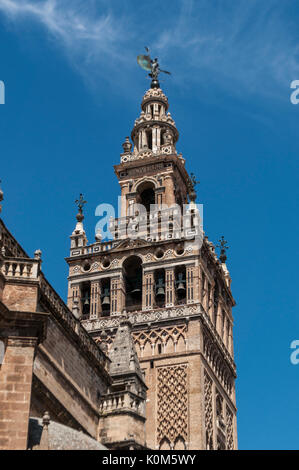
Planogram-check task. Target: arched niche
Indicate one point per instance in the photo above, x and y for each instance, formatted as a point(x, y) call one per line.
point(164, 444)
point(132, 274)
point(146, 194)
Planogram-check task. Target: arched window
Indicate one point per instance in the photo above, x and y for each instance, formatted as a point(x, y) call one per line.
point(160, 288)
point(146, 195)
point(105, 296)
point(180, 284)
point(164, 444)
point(132, 272)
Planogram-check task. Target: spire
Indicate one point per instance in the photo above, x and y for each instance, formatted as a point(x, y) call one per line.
point(80, 217)
point(78, 237)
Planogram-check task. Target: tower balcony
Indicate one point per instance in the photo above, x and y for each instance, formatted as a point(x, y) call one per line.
point(160, 225)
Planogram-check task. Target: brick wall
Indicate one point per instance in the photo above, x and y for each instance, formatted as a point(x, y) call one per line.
point(15, 391)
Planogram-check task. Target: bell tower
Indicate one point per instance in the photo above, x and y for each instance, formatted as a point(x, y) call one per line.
point(165, 274)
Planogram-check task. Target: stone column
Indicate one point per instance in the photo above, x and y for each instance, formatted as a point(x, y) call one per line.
point(154, 139)
point(219, 318)
point(158, 138)
point(169, 190)
point(114, 307)
point(148, 290)
point(230, 346)
point(190, 284)
point(121, 294)
point(124, 203)
point(169, 287)
point(211, 303)
point(95, 299)
point(74, 293)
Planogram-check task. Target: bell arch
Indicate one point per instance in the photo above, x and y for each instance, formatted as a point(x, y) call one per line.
point(132, 275)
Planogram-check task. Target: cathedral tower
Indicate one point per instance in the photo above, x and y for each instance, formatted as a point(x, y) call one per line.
point(163, 271)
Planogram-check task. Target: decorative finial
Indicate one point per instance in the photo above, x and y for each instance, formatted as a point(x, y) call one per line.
point(223, 247)
point(191, 187)
point(127, 146)
point(80, 203)
point(152, 66)
point(37, 254)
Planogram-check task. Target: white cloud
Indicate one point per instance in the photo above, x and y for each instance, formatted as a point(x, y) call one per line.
point(244, 46)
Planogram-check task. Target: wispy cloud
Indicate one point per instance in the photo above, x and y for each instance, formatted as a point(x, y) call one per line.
point(250, 45)
point(244, 45)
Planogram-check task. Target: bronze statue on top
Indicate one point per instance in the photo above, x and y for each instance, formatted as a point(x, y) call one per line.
point(152, 66)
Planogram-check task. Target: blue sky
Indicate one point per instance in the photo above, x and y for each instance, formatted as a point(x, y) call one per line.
point(73, 91)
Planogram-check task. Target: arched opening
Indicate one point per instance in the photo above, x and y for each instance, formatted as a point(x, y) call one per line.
point(160, 288)
point(146, 195)
point(149, 138)
point(132, 272)
point(164, 444)
point(179, 444)
point(105, 297)
point(85, 299)
point(180, 284)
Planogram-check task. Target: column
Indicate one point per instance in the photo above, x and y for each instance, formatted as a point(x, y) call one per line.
point(75, 293)
point(95, 302)
point(230, 346)
point(219, 318)
point(158, 138)
point(148, 290)
point(114, 307)
point(169, 191)
point(121, 294)
point(124, 192)
point(154, 139)
point(190, 284)
point(169, 287)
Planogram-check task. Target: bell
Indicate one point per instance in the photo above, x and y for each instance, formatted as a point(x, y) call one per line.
point(86, 300)
point(160, 291)
point(181, 288)
point(106, 298)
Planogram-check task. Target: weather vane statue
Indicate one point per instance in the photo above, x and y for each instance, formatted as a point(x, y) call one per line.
point(80, 203)
point(152, 66)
